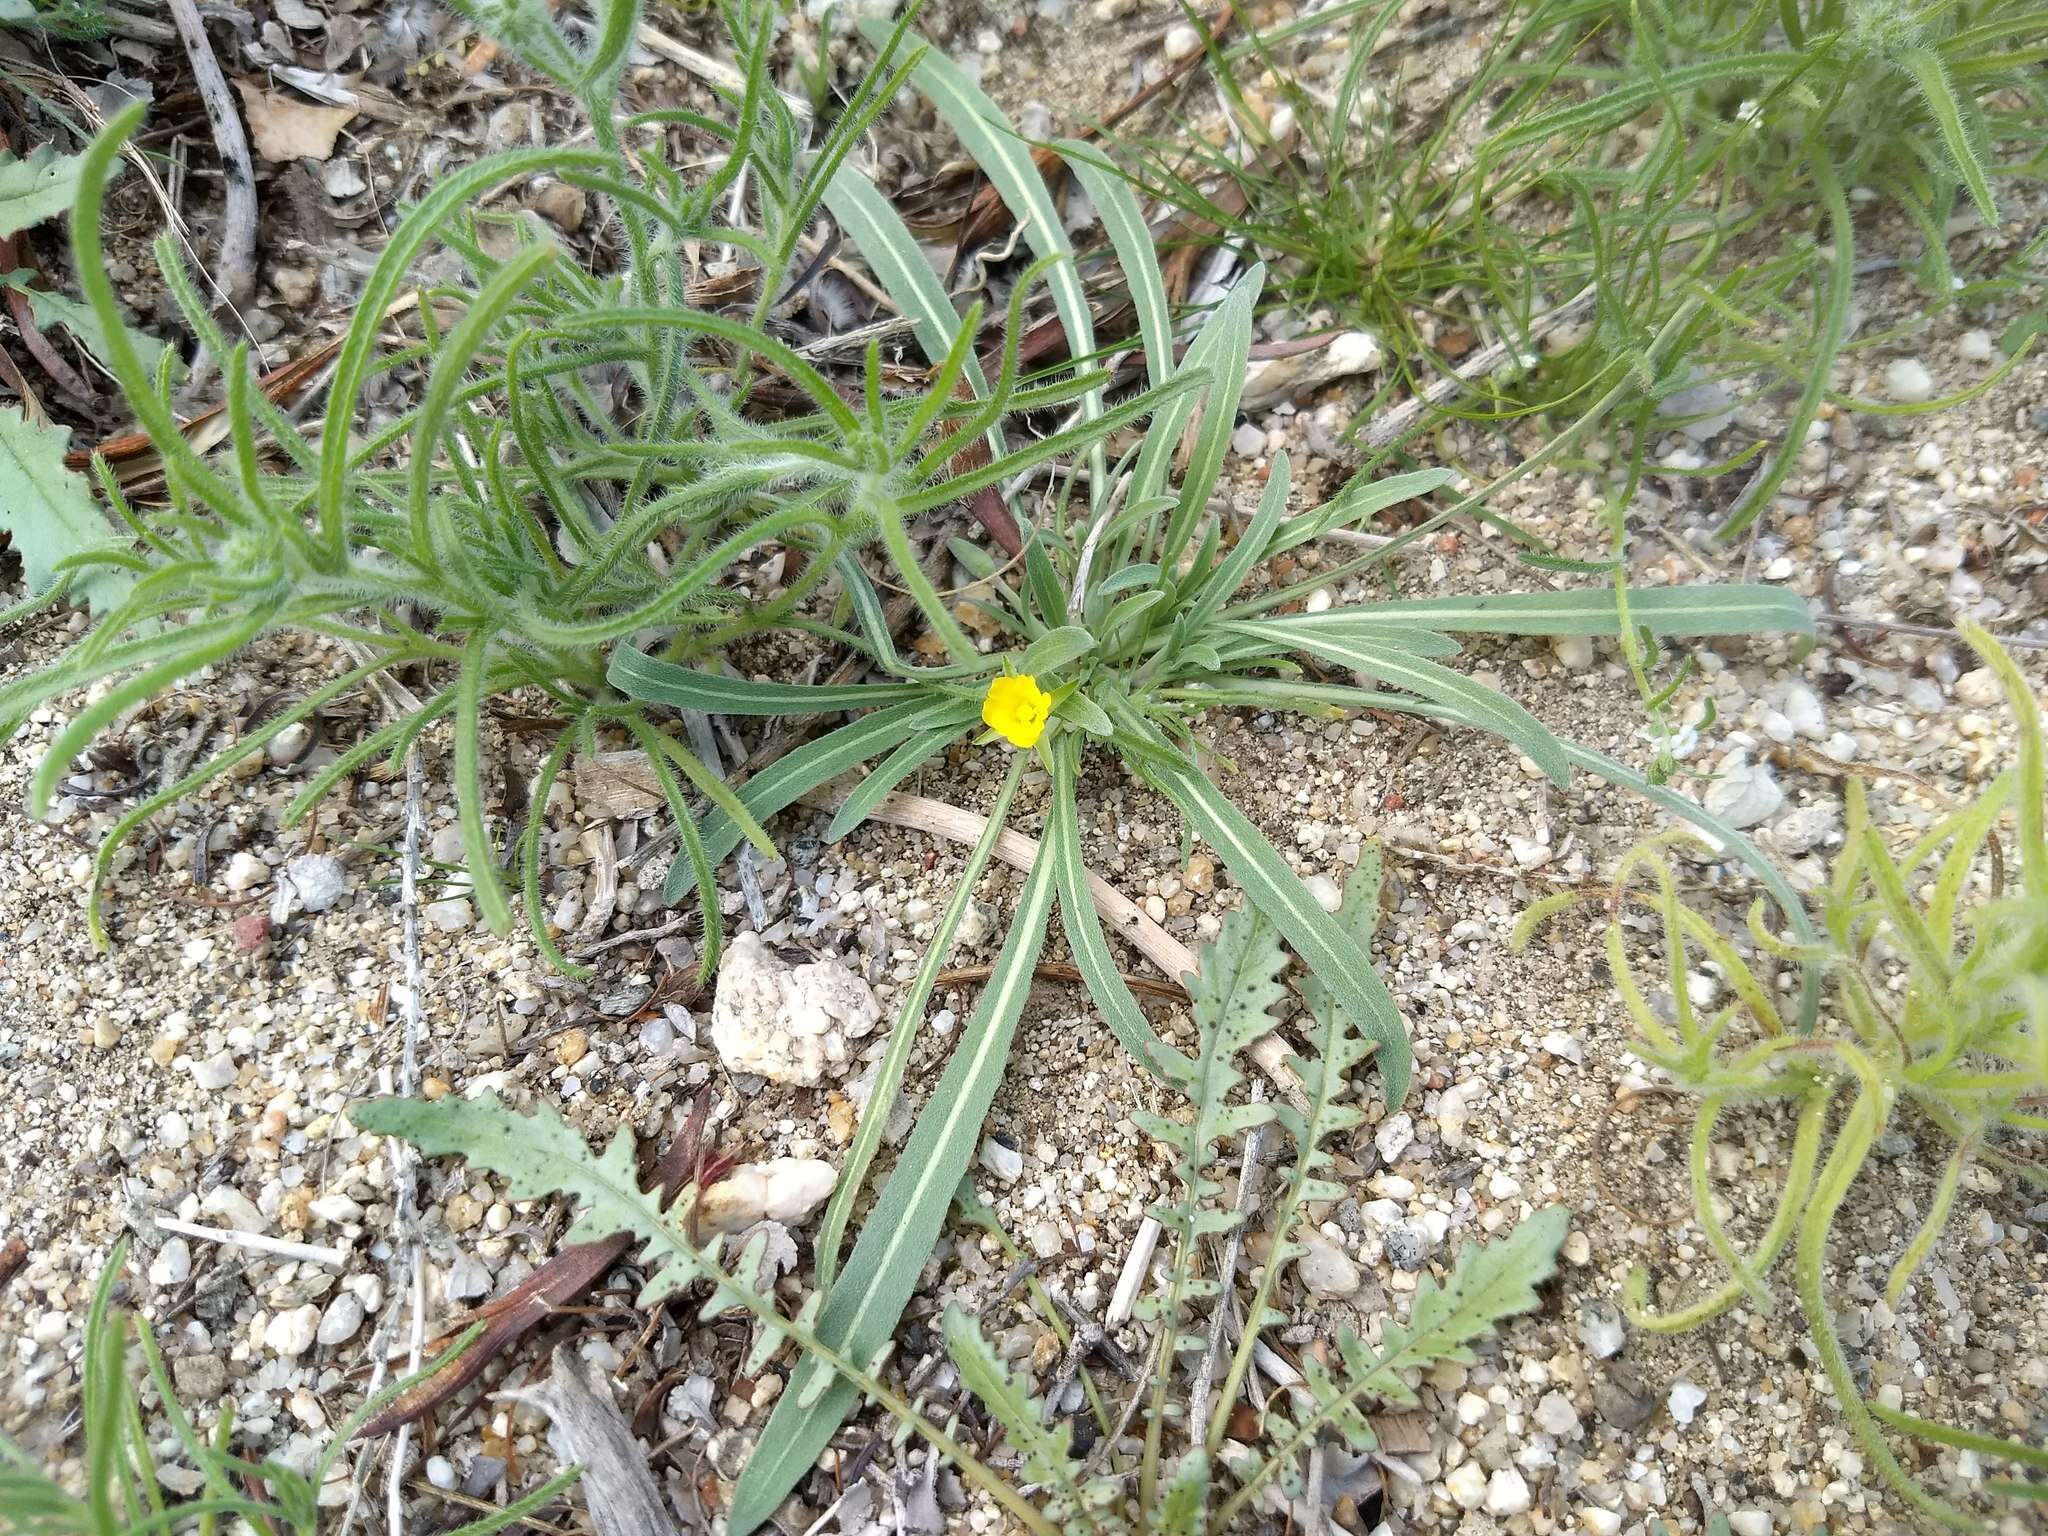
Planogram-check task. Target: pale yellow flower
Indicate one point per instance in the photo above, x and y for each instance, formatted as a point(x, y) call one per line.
point(1016, 709)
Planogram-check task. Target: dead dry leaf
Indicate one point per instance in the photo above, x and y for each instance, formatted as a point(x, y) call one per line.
point(284, 129)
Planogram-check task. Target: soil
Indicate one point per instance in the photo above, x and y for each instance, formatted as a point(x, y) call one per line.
point(201, 1072)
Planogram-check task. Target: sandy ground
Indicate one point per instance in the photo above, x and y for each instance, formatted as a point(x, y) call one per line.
point(198, 1070)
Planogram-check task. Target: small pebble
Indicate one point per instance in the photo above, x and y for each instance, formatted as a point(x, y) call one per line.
point(319, 878)
point(1326, 1269)
point(1507, 1493)
point(1005, 1162)
point(344, 1315)
point(1685, 1400)
point(1467, 1485)
point(441, 1473)
point(1972, 347)
point(1907, 381)
point(291, 1333)
point(1555, 1415)
point(244, 872)
point(172, 1264)
point(1182, 42)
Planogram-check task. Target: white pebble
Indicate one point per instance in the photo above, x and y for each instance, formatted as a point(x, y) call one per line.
point(783, 1189)
point(441, 1472)
point(244, 872)
point(1555, 1415)
point(1907, 381)
point(214, 1073)
point(1328, 894)
point(1325, 1268)
point(1573, 652)
point(1686, 1400)
point(319, 878)
point(1005, 1162)
point(1248, 441)
point(172, 1264)
point(1467, 1485)
point(291, 1333)
point(1973, 347)
point(1394, 1135)
point(344, 1315)
point(1182, 42)
point(1507, 1493)
point(451, 914)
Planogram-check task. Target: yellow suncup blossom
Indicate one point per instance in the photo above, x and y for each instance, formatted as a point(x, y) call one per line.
point(1016, 709)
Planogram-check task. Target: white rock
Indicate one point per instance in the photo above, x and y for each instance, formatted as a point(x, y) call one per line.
point(338, 1324)
point(1907, 381)
point(291, 1333)
point(786, 1023)
point(1809, 716)
point(1467, 1485)
point(1600, 1522)
point(1973, 347)
point(1454, 1108)
point(1394, 1135)
point(1248, 441)
point(783, 1189)
point(173, 1130)
point(1979, 689)
point(51, 1327)
point(214, 1073)
point(1928, 460)
point(467, 1279)
point(244, 872)
point(1326, 1269)
point(441, 1472)
point(319, 879)
point(172, 1264)
point(451, 914)
point(1744, 793)
point(1565, 1047)
point(1750, 1522)
point(1573, 652)
point(975, 927)
point(230, 1207)
point(1507, 1493)
point(1271, 380)
point(1686, 1400)
point(1555, 1415)
point(1472, 1409)
point(289, 744)
point(338, 1209)
point(1005, 1162)
point(1805, 828)
point(1182, 42)
point(1328, 894)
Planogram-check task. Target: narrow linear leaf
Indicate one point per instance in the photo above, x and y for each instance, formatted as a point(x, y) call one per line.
point(860, 1314)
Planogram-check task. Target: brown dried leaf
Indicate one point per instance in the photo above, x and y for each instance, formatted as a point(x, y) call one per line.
point(285, 129)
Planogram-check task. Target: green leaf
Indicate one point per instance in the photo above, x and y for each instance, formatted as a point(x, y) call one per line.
point(1225, 338)
point(37, 188)
point(1474, 703)
point(1045, 1450)
point(82, 321)
point(810, 765)
point(1228, 576)
point(1355, 504)
point(1054, 649)
point(538, 1155)
point(49, 511)
point(1965, 147)
point(893, 770)
point(1083, 711)
point(1322, 944)
point(1225, 361)
point(1488, 1283)
point(1005, 159)
point(899, 265)
point(640, 676)
point(860, 1313)
point(1705, 608)
point(1360, 914)
point(1124, 222)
